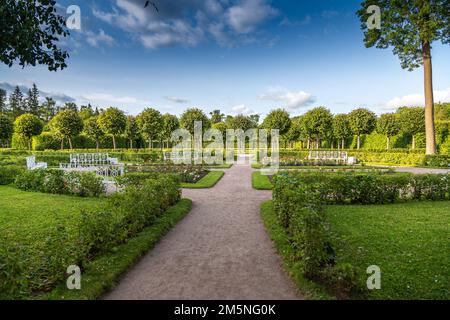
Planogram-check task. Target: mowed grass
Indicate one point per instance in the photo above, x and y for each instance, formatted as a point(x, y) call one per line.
point(208, 181)
point(26, 217)
point(410, 242)
point(261, 182)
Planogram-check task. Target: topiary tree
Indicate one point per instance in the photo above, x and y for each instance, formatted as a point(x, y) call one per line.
point(410, 27)
point(362, 121)
point(190, 116)
point(30, 32)
point(277, 119)
point(93, 130)
point(68, 124)
point(112, 121)
point(150, 124)
point(222, 127)
point(240, 122)
point(6, 129)
point(319, 121)
point(389, 125)
point(341, 129)
point(170, 124)
point(131, 130)
point(216, 116)
point(295, 131)
point(412, 122)
point(28, 126)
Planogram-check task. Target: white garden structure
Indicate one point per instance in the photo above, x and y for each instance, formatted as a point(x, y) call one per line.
point(99, 163)
point(338, 156)
point(33, 165)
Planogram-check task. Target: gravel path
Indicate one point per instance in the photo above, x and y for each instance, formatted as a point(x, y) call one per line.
point(219, 251)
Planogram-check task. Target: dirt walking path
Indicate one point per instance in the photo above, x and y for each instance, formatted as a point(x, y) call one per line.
point(219, 251)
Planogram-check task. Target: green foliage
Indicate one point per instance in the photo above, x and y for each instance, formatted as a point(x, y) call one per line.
point(412, 120)
point(318, 122)
point(261, 182)
point(8, 174)
point(406, 26)
point(131, 130)
point(170, 124)
point(216, 117)
point(30, 31)
point(190, 116)
point(68, 124)
point(113, 122)
point(93, 130)
point(362, 121)
point(341, 127)
point(277, 120)
point(240, 122)
point(150, 123)
point(388, 124)
point(6, 129)
point(27, 126)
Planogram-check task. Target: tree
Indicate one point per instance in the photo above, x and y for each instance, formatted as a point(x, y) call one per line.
point(362, 121)
point(30, 32)
point(295, 132)
point(68, 124)
point(170, 124)
point(341, 129)
point(112, 121)
point(216, 116)
point(32, 101)
point(412, 122)
point(93, 130)
point(47, 109)
point(3, 102)
point(277, 119)
point(319, 120)
point(86, 112)
point(254, 118)
point(240, 122)
point(70, 106)
point(150, 124)
point(6, 130)
point(410, 27)
point(388, 124)
point(190, 116)
point(16, 103)
point(222, 127)
point(28, 126)
point(131, 130)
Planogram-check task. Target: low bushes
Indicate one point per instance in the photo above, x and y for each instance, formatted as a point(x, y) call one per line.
point(8, 174)
point(299, 201)
point(27, 270)
point(187, 173)
point(83, 184)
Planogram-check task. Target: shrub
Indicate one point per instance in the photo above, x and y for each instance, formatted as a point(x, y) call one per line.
point(84, 184)
point(8, 174)
point(31, 180)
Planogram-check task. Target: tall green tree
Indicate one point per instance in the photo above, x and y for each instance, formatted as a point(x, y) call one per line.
point(216, 116)
point(131, 130)
point(68, 124)
point(3, 101)
point(150, 125)
point(93, 130)
point(6, 130)
point(389, 125)
point(240, 122)
point(32, 101)
point(410, 27)
point(86, 112)
point(319, 121)
point(341, 129)
point(113, 121)
point(16, 103)
point(47, 109)
point(30, 31)
point(190, 116)
point(362, 121)
point(412, 122)
point(277, 119)
point(170, 124)
point(28, 126)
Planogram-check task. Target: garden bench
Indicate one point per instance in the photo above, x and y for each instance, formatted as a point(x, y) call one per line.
point(33, 165)
point(338, 156)
point(99, 163)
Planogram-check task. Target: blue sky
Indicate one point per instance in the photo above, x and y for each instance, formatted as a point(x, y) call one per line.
point(241, 56)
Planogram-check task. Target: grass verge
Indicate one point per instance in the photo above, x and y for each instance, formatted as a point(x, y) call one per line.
point(208, 181)
point(261, 182)
point(103, 273)
point(307, 288)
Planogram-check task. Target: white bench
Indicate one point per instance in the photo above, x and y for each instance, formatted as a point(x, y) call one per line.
point(99, 163)
point(338, 156)
point(33, 165)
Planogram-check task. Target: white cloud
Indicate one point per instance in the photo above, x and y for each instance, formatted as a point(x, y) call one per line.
point(102, 98)
point(242, 109)
point(286, 22)
point(97, 39)
point(177, 100)
point(292, 99)
point(418, 99)
point(187, 22)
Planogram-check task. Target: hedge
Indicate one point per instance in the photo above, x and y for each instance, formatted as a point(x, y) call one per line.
point(299, 201)
point(91, 234)
point(8, 174)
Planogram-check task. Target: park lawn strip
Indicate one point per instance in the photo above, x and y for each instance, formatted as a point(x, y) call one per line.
point(309, 289)
point(103, 273)
point(261, 182)
point(208, 181)
point(408, 241)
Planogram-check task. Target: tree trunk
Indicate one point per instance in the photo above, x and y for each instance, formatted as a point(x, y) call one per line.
point(114, 142)
point(309, 144)
point(29, 144)
point(62, 144)
point(414, 142)
point(70, 143)
point(97, 143)
point(131, 143)
point(388, 143)
point(429, 99)
point(343, 144)
point(359, 142)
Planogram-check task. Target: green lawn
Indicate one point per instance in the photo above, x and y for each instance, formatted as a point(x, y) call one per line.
point(409, 242)
point(208, 181)
point(27, 216)
point(261, 182)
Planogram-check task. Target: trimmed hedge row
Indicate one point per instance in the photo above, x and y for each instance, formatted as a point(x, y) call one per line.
point(8, 174)
point(299, 202)
point(83, 238)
